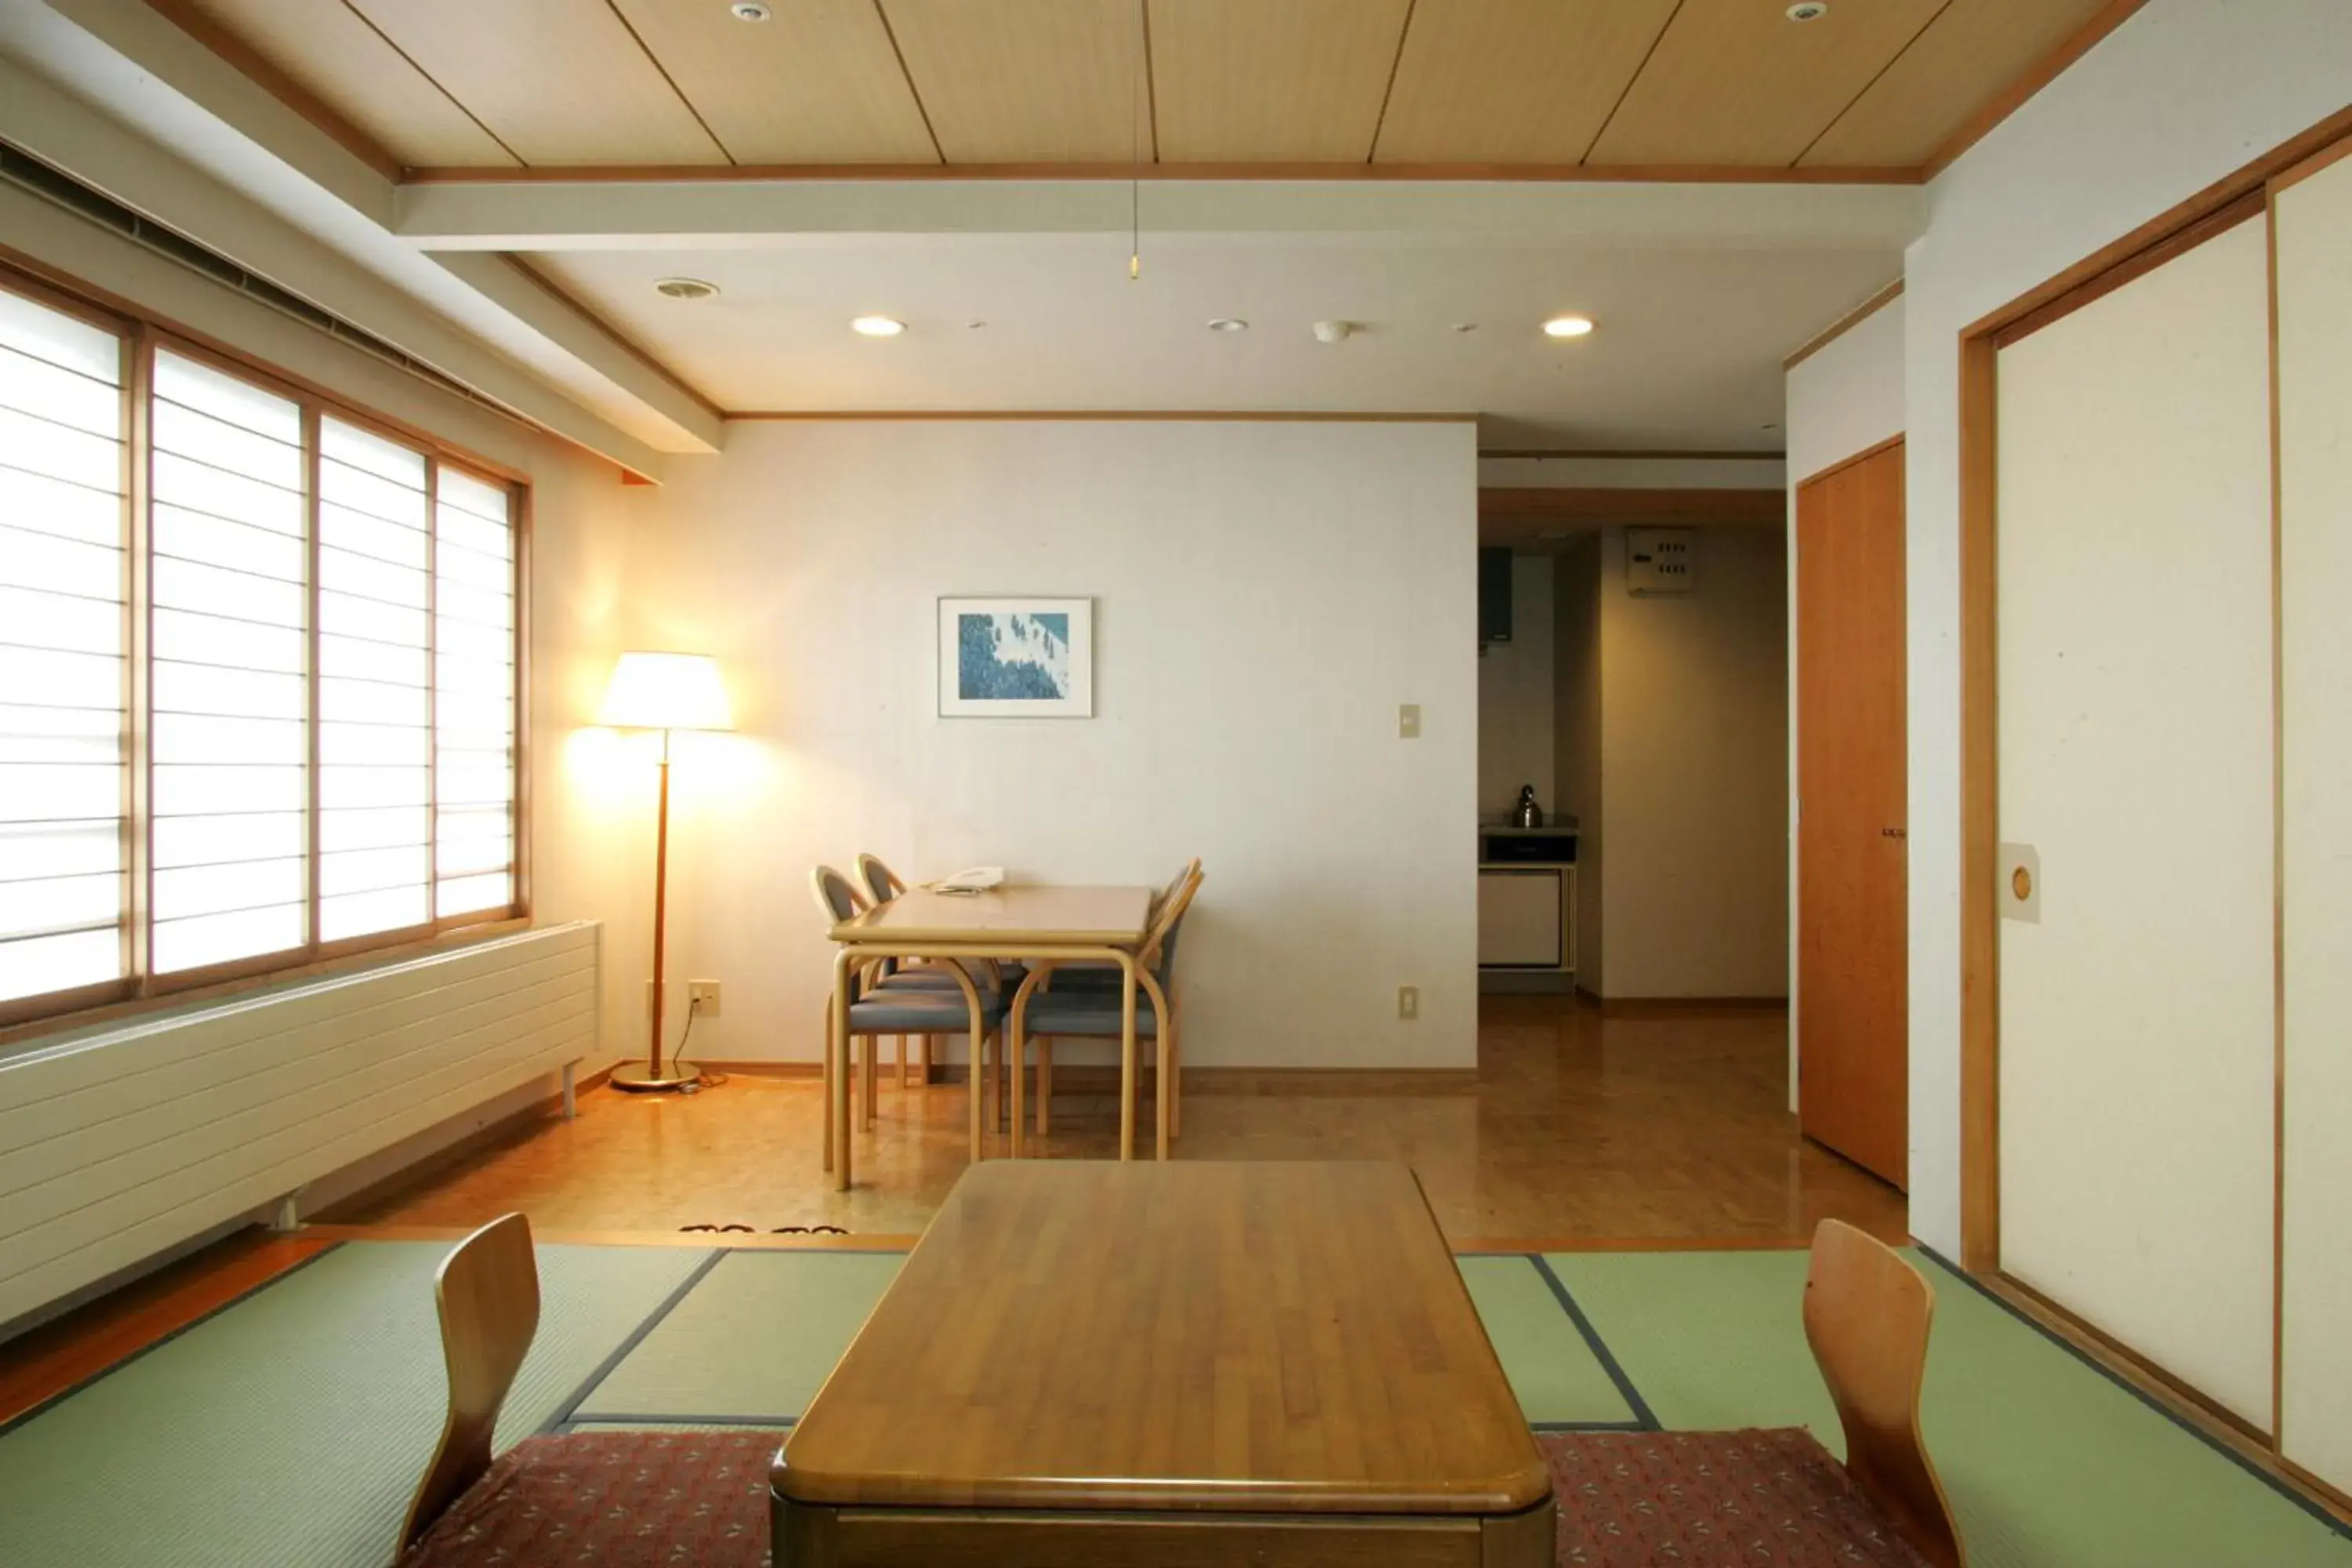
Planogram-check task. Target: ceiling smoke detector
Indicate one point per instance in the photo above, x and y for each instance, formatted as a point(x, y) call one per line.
point(750, 11)
point(1228, 324)
point(1333, 332)
point(1807, 11)
point(685, 287)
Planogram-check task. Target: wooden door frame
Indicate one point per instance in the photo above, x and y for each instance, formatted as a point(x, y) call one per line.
point(2244, 196)
point(1796, 744)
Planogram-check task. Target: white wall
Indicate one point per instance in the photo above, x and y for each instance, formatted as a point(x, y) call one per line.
point(2180, 95)
point(1846, 398)
point(1576, 736)
point(1694, 758)
point(1266, 595)
point(1514, 697)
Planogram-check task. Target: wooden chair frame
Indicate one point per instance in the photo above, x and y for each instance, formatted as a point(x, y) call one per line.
point(1867, 1313)
point(1167, 1099)
point(487, 1293)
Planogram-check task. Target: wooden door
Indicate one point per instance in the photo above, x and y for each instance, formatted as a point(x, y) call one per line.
point(1852, 989)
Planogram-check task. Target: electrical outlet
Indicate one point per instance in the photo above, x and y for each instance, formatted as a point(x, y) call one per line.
point(702, 995)
point(1408, 1002)
point(1408, 721)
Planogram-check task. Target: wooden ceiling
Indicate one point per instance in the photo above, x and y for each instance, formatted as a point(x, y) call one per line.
point(1883, 87)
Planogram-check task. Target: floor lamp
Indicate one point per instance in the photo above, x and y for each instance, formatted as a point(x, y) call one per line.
point(663, 692)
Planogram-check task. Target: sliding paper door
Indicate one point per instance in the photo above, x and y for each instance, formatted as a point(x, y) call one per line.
point(2137, 1012)
point(2314, 240)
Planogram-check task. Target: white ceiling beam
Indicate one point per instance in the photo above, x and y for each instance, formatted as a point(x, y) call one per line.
point(116, 95)
point(762, 213)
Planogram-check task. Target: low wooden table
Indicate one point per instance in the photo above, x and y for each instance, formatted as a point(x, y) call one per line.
point(1019, 921)
point(1092, 1363)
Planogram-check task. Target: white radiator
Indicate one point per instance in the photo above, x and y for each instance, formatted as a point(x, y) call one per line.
point(117, 1145)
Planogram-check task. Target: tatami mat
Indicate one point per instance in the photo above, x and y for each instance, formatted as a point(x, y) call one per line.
point(1552, 1369)
point(290, 1428)
point(752, 1341)
point(2049, 1463)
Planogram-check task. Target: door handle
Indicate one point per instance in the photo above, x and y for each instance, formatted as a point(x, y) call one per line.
point(1893, 833)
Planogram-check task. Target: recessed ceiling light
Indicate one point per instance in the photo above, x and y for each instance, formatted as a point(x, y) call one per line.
point(1807, 11)
point(750, 11)
point(1568, 326)
point(685, 287)
point(878, 326)
point(1229, 325)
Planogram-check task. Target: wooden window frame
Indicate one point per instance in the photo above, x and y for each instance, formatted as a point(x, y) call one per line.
point(143, 333)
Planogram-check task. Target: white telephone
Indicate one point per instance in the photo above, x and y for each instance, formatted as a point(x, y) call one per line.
point(972, 881)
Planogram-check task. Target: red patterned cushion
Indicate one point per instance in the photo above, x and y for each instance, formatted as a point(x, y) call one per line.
point(617, 1499)
point(1698, 1500)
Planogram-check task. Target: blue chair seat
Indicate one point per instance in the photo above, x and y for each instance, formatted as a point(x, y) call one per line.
point(922, 1013)
point(1089, 1012)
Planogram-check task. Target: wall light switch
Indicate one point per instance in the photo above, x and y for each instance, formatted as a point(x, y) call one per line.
point(1408, 721)
point(702, 995)
point(1408, 1002)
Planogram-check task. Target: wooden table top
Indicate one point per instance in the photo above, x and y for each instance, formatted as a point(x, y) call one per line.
point(1266, 1338)
point(1045, 915)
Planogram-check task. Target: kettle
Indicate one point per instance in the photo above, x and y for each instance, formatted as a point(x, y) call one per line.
point(1528, 813)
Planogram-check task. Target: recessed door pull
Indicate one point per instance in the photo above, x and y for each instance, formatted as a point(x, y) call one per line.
point(1893, 833)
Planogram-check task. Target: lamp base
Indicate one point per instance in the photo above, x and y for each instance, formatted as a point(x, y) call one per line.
point(636, 1077)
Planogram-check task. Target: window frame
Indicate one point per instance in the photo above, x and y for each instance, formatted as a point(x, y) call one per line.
point(142, 335)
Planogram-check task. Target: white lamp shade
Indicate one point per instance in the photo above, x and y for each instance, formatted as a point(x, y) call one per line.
point(665, 691)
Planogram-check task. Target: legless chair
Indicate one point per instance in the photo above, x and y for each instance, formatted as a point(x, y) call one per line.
point(563, 1500)
point(1660, 1496)
point(1867, 1314)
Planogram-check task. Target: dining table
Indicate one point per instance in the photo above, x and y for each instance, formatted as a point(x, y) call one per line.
point(1013, 922)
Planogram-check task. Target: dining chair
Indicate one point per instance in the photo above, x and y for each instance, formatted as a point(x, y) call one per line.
point(569, 1498)
point(882, 884)
point(1044, 1006)
point(1636, 1497)
point(888, 1000)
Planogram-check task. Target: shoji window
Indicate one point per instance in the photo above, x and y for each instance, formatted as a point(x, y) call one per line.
point(63, 674)
point(474, 687)
point(230, 767)
point(265, 717)
point(374, 704)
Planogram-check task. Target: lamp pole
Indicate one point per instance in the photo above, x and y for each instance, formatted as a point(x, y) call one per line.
point(653, 1075)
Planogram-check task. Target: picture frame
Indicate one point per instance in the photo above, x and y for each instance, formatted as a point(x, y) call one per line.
point(1017, 659)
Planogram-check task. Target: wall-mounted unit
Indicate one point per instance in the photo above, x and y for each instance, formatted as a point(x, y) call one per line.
point(1661, 561)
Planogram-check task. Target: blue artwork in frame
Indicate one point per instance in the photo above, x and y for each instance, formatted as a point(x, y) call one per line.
point(1005, 658)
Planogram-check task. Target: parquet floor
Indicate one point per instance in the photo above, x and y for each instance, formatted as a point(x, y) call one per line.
point(1576, 1128)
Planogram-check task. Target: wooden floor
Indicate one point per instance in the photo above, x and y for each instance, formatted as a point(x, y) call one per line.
point(1576, 1128)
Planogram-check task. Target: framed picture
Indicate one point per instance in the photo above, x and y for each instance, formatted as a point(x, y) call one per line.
point(1017, 658)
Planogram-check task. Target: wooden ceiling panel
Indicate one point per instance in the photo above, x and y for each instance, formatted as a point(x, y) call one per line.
point(331, 54)
point(817, 83)
point(1964, 59)
point(1736, 82)
point(1513, 81)
point(1016, 81)
point(559, 81)
point(1271, 81)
